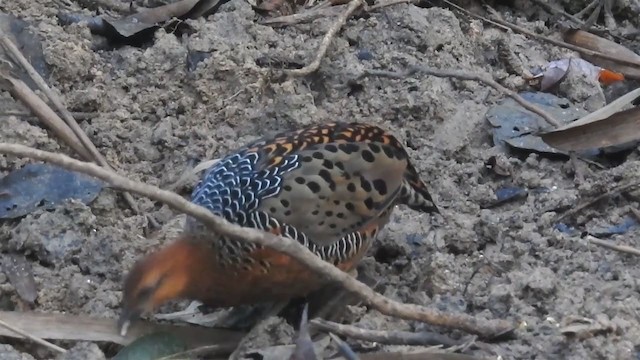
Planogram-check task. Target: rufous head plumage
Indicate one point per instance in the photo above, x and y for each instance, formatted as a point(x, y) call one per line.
point(157, 278)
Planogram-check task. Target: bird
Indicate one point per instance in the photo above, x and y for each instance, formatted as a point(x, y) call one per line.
point(331, 187)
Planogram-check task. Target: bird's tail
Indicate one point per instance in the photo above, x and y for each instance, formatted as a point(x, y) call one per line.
point(414, 193)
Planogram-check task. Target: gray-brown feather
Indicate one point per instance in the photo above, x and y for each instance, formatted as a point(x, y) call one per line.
point(339, 189)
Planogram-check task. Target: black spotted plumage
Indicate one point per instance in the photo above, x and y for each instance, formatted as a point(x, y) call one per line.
point(327, 186)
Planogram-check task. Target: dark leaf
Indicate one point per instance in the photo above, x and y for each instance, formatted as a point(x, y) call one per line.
point(29, 44)
point(510, 193)
point(151, 347)
point(43, 186)
point(516, 127)
point(139, 28)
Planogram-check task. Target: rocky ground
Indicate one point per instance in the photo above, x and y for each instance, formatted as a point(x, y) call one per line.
point(155, 118)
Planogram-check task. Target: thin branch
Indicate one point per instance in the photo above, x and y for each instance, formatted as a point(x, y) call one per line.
point(422, 338)
point(496, 21)
point(581, 50)
point(35, 339)
point(552, 9)
point(78, 115)
point(17, 56)
point(464, 75)
point(610, 245)
point(326, 41)
point(482, 327)
point(20, 91)
point(316, 13)
point(610, 192)
point(190, 174)
point(15, 53)
point(303, 17)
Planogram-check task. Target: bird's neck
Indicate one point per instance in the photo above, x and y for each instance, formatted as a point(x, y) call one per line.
point(196, 262)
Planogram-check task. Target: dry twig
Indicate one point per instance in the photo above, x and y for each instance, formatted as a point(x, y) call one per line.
point(316, 13)
point(326, 41)
point(19, 90)
point(563, 44)
point(610, 245)
point(463, 75)
point(303, 17)
point(422, 338)
point(77, 115)
point(611, 192)
point(496, 21)
point(465, 322)
point(33, 338)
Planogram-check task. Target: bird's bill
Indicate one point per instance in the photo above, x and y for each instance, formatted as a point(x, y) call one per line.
point(126, 317)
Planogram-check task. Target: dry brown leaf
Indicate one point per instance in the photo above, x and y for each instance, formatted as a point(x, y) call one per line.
point(85, 328)
point(619, 128)
point(596, 43)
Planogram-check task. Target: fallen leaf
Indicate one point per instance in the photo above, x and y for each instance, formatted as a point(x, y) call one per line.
point(20, 33)
point(43, 186)
point(139, 28)
point(151, 347)
point(620, 128)
point(517, 127)
point(70, 327)
point(596, 43)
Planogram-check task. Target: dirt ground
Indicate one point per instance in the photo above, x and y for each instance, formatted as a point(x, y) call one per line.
point(155, 119)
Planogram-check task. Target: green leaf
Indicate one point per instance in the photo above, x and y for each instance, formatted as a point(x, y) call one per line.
point(151, 347)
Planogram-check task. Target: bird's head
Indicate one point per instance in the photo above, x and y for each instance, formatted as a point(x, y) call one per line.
point(157, 278)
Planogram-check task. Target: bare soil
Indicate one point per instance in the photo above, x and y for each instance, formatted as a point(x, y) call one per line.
point(154, 119)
